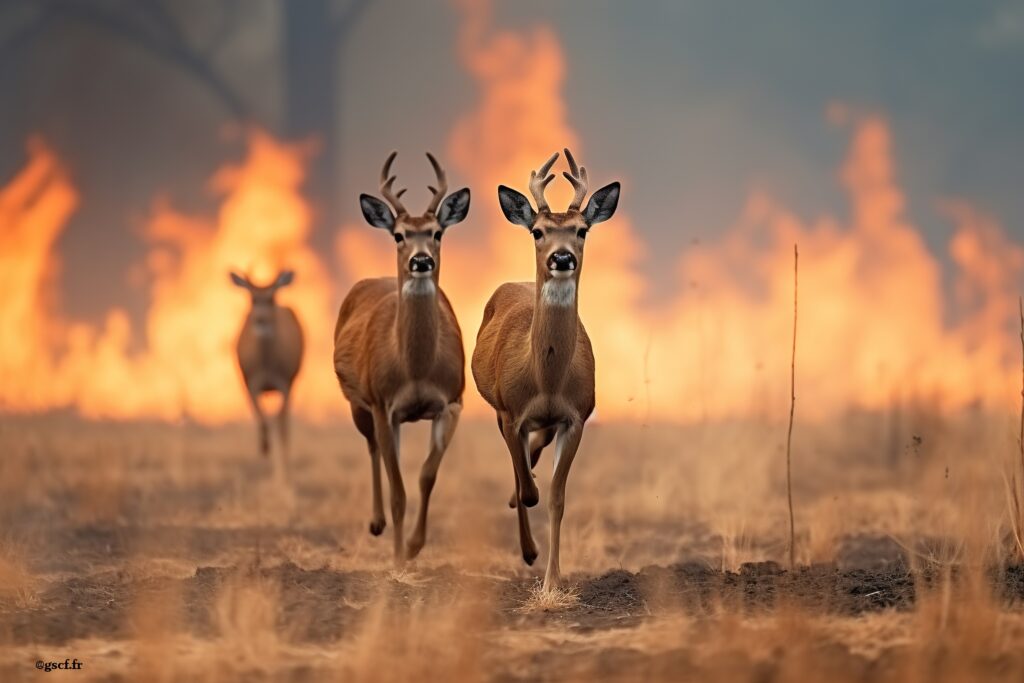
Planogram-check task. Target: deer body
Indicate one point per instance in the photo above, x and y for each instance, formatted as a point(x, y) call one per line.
point(270, 348)
point(398, 350)
point(533, 361)
point(270, 359)
point(417, 371)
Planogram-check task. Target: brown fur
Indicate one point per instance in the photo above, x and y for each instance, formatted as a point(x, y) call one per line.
point(374, 365)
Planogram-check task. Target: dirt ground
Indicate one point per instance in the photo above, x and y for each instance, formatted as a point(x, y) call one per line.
point(156, 552)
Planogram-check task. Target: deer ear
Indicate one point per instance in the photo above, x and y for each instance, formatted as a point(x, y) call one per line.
point(240, 281)
point(516, 207)
point(284, 278)
point(376, 212)
point(454, 209)
point(602, 204)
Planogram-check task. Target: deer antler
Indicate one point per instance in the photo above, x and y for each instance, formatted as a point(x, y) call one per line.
point(442, 185)
point(577, 177)
point(386, 182)
point(539, 180)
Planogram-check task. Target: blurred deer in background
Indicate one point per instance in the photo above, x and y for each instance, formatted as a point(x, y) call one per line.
point(270, 354)
point(533, 361)
point(398, 348)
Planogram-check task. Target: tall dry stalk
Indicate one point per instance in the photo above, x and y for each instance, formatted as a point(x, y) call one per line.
point(792, 409)
point(1015, 483)
point(1020, 438)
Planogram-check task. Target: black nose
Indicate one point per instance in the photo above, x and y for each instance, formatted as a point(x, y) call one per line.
point(421, 263)
point(561, 260)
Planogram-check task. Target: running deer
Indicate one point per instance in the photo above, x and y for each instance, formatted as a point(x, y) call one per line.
point(398, 348)
point(270, 354)
point(533, 361)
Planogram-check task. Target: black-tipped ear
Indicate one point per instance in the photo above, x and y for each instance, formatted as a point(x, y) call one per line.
point(284, 278)
point(376, 212)
point(454, 209)
point(516, 207)
point(602, 204)
point(240, 281)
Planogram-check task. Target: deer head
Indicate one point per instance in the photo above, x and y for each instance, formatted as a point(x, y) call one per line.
point(418, 238)
point(262, 313)
point(559, 237)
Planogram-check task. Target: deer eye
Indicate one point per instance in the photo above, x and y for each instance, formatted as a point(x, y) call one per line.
point(537, 234)
point(582, 233)
point(399, 238)
point(437, 235)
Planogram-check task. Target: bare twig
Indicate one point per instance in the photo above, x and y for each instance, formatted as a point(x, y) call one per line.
point(792, 409)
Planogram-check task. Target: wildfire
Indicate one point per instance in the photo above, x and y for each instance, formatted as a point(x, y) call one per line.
point(876, 326)
point(187, 364)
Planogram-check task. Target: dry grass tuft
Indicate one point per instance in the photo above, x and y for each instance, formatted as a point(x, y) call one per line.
point(246, 615)
point(554, 600)
point(18, 586)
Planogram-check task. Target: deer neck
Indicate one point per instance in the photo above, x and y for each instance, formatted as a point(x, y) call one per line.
point(553, 331)
point(417, 324)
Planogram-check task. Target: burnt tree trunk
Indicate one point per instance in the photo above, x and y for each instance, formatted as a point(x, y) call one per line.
point(314, 31)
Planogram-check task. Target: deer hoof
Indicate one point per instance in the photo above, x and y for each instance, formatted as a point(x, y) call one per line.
point(529, 556)
point(377, 526)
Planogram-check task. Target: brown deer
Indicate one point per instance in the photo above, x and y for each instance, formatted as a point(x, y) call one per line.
point(533, 361)
point(398, 348)
point(269, 353)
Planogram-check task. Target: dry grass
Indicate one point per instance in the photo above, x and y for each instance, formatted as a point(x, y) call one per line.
point(193, 564)
point(18, 585)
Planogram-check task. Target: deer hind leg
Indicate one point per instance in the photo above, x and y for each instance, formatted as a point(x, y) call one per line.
point(386, 432)
point(539, 440)
point(364, 423)
point(566, 444)
point(517, 446)
point(441, 432)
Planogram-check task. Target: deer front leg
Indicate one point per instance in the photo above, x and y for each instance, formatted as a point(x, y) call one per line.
point(539, 440)
point(386, 432)
point(261, 418)
point(364, 423)
point(567, 442)
point(441, 431)
point(517, 442)
point(517, 445)
point(282, 428)
point(526, 542)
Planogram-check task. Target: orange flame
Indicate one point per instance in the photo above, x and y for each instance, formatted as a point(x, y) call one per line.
point(875, 325)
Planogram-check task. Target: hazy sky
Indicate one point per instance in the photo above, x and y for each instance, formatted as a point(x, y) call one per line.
point(694, 104)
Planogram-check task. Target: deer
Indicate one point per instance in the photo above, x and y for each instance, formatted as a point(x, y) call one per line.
point(533, 361)
point(270, 348)
point(398, 352)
